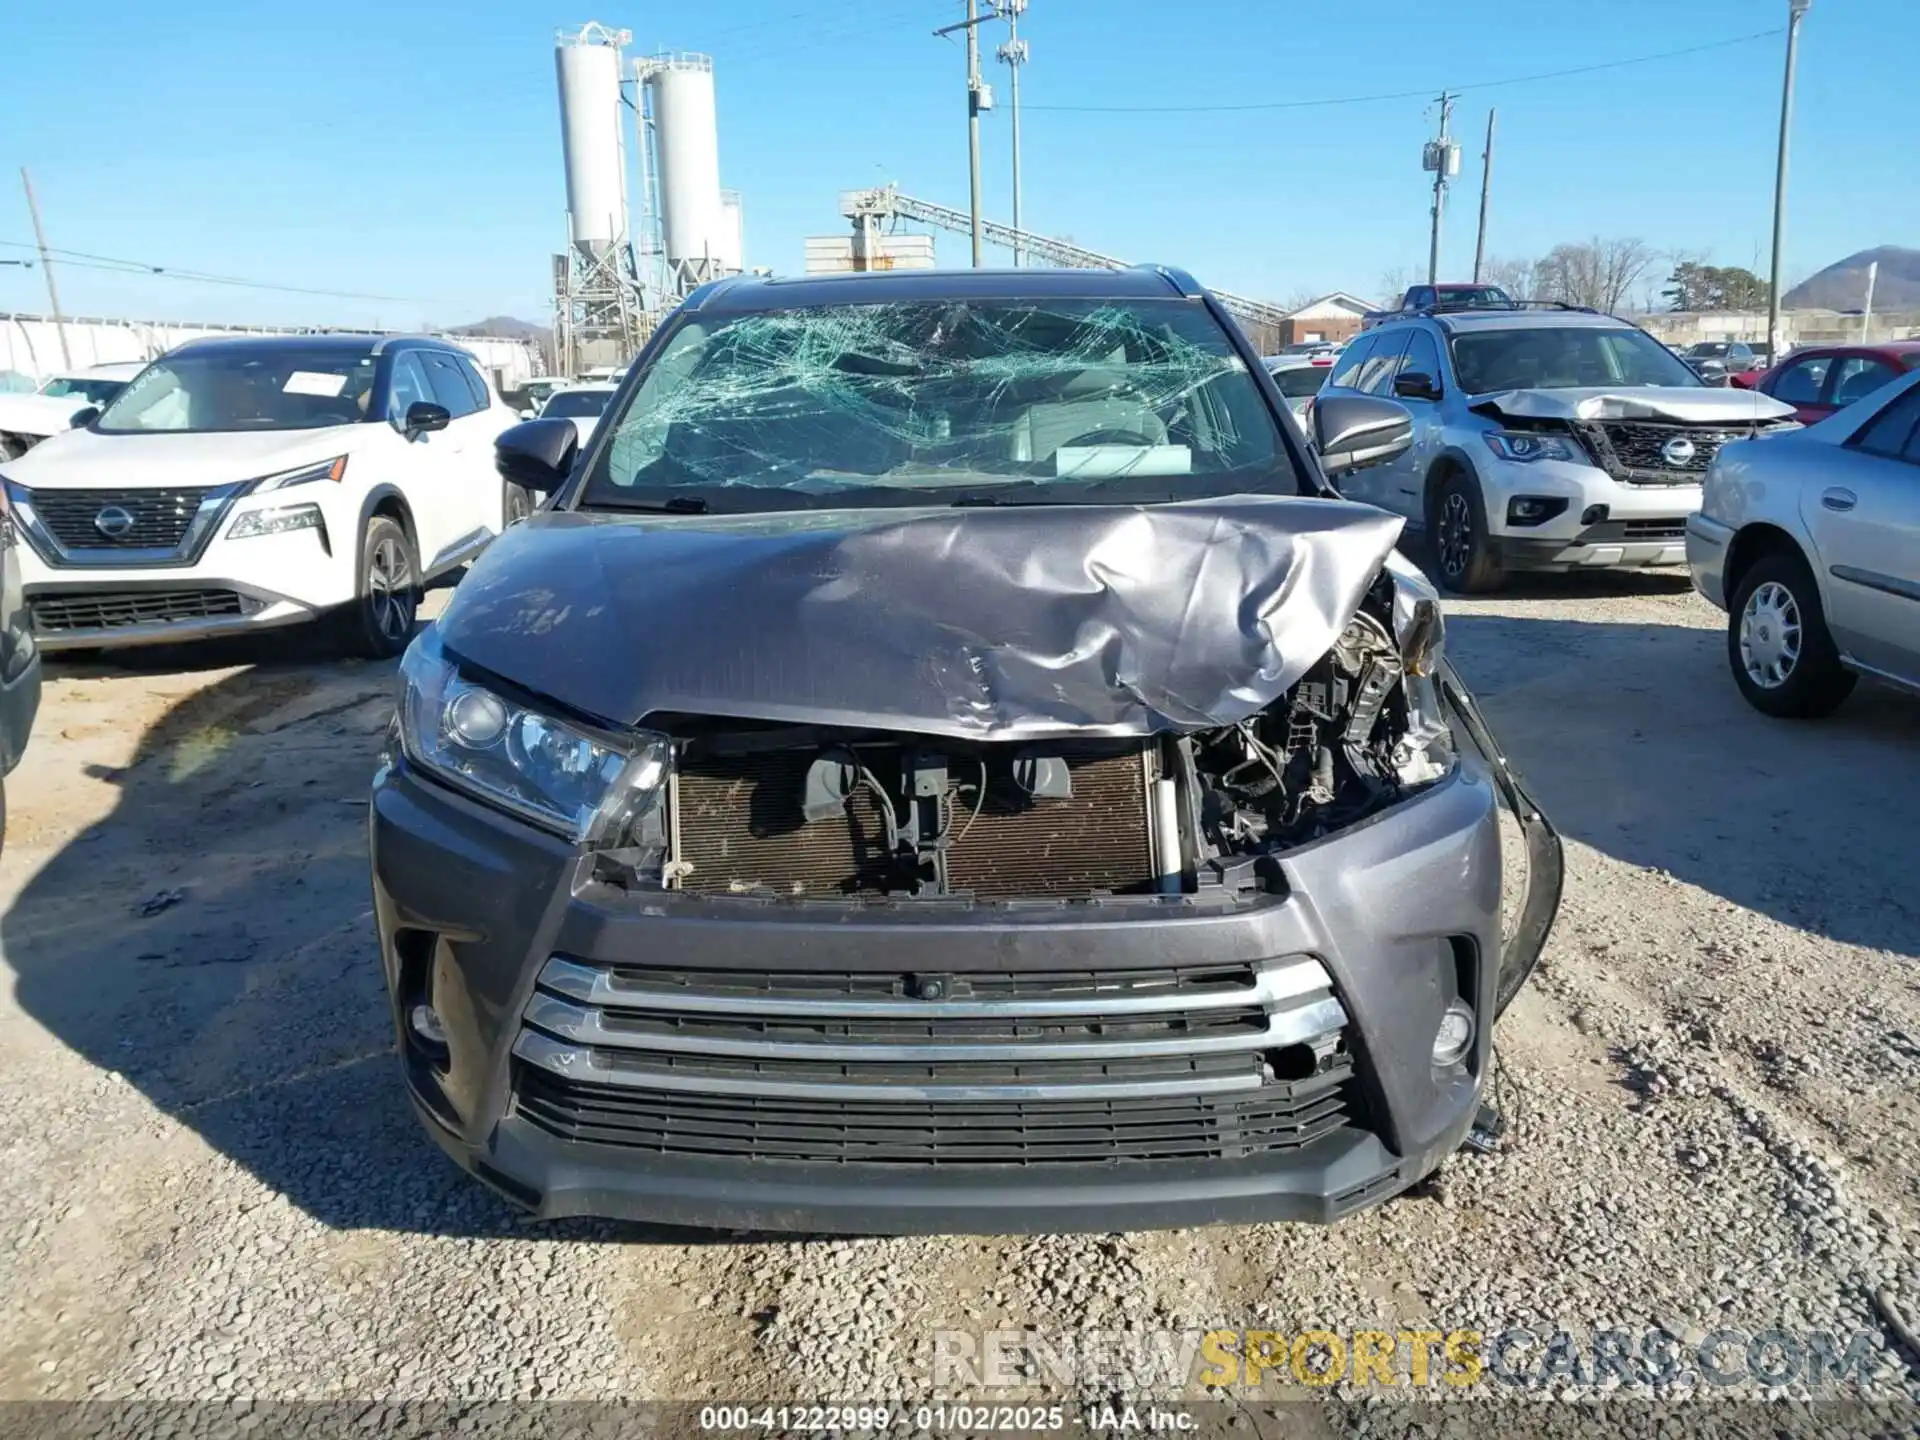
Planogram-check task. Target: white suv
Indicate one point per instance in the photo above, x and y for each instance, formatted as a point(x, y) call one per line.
point(239, 483)
point(1543, 438)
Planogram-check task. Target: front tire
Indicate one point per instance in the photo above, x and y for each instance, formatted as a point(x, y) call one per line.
point(379, 625)
point(1782, 655)
point(1457, 528)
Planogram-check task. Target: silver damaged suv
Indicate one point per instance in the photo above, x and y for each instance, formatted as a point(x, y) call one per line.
point(1543, 439)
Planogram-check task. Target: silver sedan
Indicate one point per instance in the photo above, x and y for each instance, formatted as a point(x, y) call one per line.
point(1811, 543)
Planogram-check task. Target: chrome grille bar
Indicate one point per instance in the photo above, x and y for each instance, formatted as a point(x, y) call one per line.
point(580, 1063)
point(594, 986)
point(588, 1027)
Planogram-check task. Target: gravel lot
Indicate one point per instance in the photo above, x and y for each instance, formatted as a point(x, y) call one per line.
point(212, 1186)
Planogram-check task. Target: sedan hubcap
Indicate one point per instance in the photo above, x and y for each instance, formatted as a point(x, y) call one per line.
point(1456, 532)
point(390, 589)
point(1770, 635)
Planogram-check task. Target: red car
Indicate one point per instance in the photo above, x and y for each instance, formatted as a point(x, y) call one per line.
point(1821, 379)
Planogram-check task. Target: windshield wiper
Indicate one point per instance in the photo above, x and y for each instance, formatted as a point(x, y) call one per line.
point(674, 505)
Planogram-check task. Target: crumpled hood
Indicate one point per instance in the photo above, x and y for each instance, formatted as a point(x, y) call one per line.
point(987, 624)
point(1703, 405)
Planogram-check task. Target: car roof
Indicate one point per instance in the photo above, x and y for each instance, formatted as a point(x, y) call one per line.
point(1301, 361)
point(109, 370)
point(1853, 347)
point(1456, 322)
point(745, 294)
point(345, 342)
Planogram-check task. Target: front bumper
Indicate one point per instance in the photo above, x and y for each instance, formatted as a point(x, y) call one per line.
point(482, 902)
point(1611, 544)
point(1632, 525)
point(1707, 542)
point(236, 585)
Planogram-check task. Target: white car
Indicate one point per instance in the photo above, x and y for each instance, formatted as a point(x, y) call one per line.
point(1300, 377)
point(26, 420)
point(249, 482)
point(1811, 544)
point(583, 404)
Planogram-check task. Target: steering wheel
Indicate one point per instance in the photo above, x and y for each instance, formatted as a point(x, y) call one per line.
point(1112, 436)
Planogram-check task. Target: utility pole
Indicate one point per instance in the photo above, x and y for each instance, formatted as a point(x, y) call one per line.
point(979, 97)
point(1439, 156)
point(46, 268)
point(1014, 52)
point(1486, 184)
point(1866, 315)
point(1796, 12)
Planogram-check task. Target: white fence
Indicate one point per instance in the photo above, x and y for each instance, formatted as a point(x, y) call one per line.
point(30, 345)
point(1799, 327)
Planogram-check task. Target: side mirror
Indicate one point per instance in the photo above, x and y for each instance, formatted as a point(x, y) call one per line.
point(84, 416)
point(424, 416)
point(1355, 431)
point(529, 414)
point(1416, 385)
point(537, 454)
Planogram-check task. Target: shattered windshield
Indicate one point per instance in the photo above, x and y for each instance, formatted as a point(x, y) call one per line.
point(1003, 401)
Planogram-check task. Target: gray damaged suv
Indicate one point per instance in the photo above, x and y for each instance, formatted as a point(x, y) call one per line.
point(944, 759)
point(1544, 439)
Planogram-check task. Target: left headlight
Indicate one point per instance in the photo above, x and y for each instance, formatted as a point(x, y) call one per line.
point(277, 521)
point(1528, 445)
point(588, 786)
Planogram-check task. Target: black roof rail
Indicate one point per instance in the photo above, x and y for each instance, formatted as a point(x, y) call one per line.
point(1444, 308)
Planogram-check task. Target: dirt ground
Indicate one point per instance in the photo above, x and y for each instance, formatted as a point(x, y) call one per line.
point(212, 1185)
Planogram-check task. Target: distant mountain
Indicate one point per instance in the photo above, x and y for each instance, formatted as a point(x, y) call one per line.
point(507, 326)
point(1843, 284)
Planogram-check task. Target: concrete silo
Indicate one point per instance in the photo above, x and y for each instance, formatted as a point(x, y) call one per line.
point(587, 61)
point(698, 238)
point(597, 309)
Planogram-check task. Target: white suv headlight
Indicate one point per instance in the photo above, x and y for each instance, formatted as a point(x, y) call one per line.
point(586, 785)
point(1527, 446)
point(277, 521)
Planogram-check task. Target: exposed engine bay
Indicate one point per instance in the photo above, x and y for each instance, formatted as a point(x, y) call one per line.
point(816, 813)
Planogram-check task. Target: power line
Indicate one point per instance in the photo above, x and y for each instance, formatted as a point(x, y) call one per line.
point(1423, 91)
point(82, 260)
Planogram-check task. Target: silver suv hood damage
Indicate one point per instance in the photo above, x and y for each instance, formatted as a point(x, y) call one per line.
point(1005, 623)
point(1685, 405)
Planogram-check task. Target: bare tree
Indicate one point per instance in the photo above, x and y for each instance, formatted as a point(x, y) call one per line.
point(1514, 275)
point(1299, 299)
point(1597, 273)
point(1394, 283)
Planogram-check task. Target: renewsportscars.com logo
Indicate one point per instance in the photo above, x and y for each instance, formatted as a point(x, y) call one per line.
point(1174, 1361)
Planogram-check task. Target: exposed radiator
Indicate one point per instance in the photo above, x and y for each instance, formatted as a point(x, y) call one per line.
point(740, 829)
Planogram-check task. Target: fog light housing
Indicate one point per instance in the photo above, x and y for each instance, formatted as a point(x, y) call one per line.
point(1454, 1036)
point(427, 1027)
point(1534, 509)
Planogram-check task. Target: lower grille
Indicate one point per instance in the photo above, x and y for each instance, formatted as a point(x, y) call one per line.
point(1654, 529)
point(1280, 1117)
point(741, 830)
point(1216, 1062)
point(155, 519)
point(111, 610)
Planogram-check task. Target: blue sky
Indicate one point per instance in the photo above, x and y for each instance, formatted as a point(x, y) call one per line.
point(410, 148)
